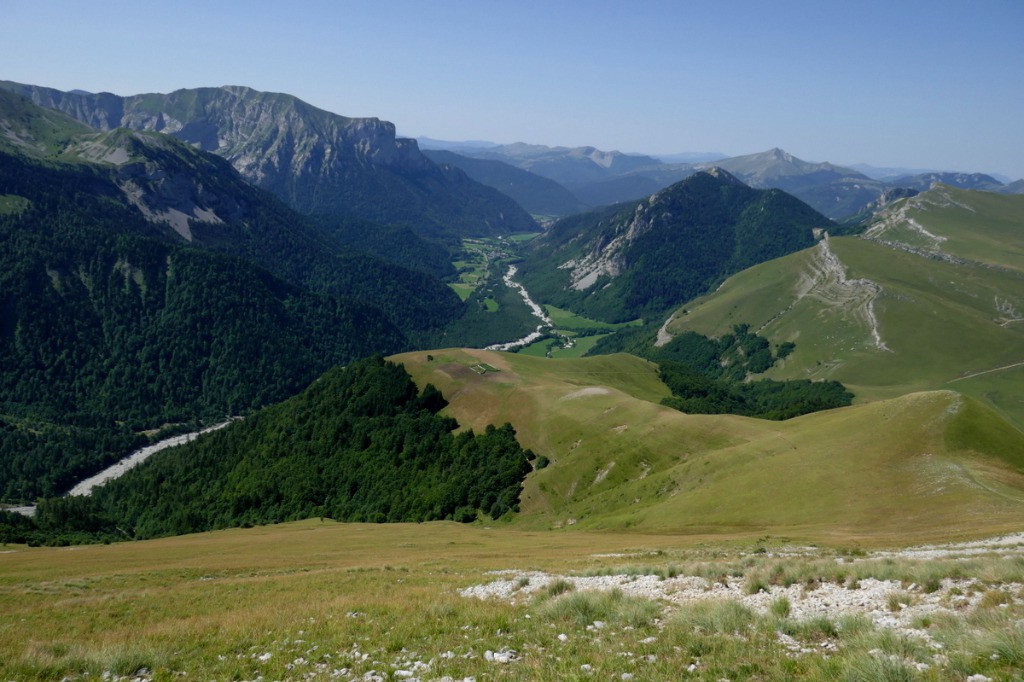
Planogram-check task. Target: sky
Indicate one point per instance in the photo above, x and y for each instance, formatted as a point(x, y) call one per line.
point(902, 83)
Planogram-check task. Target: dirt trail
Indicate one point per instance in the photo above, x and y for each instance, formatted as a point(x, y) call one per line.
point(825, 280)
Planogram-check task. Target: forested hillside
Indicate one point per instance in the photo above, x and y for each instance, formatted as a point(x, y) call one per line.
point(647, 257)
point(143, 282)
point(104, 330)
point(360, 444)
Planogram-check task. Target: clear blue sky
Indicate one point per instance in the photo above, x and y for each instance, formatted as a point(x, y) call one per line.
point(932, 84)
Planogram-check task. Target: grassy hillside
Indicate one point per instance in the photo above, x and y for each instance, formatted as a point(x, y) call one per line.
point(919, 466)
point(319, 600)
point(932, 299)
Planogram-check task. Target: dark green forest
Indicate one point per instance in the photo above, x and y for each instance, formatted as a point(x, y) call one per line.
point(108, 327)
point(360, 444)
point(716, 376)
point(708, 376)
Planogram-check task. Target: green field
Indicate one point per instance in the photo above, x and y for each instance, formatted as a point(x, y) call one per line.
point(12, 204)
point(566, 319)
point(580, 346)
point(943, 318)
point(319, 600)
point(901, 468)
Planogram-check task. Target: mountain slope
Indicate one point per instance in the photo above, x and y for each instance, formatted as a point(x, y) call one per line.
point(649, 256)
point(189, 196)
point(927, 465)
point(317, 161)
point(105, 331)
point(358, 445)
point(929, 298)
point(144, 282)
point(537, 194)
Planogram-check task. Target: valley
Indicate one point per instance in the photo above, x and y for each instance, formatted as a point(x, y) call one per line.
point(509, 411)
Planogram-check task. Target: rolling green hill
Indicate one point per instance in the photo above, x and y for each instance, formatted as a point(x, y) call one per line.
point(923, 465)
point(930, 298)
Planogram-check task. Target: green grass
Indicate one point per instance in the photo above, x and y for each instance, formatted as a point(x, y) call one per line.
point(566, 319)
point(539, 349)
point(581, 345)
point(523, 237)
point(938, 320)
point(12, 204)
point(463, 289)
point(307, 599)
point(924, 466)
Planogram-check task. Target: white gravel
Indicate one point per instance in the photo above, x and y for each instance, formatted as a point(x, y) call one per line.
point(888, 603)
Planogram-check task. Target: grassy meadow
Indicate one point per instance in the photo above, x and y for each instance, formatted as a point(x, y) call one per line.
point(923, 467)
point(320, 600)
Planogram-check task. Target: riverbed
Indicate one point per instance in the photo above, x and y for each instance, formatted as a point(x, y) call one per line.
point(535, 308)
point(117, 469)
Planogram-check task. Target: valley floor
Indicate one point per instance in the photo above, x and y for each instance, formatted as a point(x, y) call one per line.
point(442, 601)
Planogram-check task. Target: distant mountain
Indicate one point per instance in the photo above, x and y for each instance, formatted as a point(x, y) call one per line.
point(538, 195)
point(888, 173)
point(317, 161)
point(1015, 187)
point(691, 157)
point(568, 166)
point(596, 177)
point(835, 191)
point(426, 143)
point(641, 259)
point(924, 181)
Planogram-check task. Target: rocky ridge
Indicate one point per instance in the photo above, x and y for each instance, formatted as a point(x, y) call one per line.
point(317, 161)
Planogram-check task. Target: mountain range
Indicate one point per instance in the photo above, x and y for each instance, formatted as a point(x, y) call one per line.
point(598, 178)
point(208, 252)
point(145, 281)
point(316, 161)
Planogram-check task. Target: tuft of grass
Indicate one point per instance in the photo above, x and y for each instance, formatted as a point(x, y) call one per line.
point(868, 668)
point(583, 608)
point(780, 607)
point(713, 616)
point(993, 598)
point(898, 599)
point(557, 587)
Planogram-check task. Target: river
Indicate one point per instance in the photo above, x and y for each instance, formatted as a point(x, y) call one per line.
point(120, 467)
point(537, 310)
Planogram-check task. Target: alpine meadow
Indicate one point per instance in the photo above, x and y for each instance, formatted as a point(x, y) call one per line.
point(287, 393)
